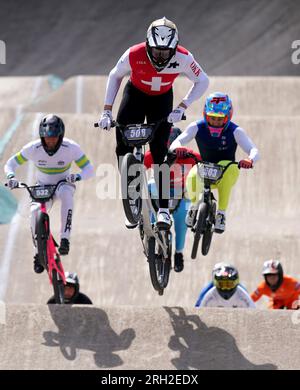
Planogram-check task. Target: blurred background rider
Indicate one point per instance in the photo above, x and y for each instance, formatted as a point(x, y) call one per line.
point(72, 292)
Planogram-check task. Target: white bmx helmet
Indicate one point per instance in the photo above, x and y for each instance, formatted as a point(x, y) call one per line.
point(161, 42)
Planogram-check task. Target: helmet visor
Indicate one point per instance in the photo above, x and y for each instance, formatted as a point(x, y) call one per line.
point(270, 271)
point(226, 284)
point(216, 115)
point(160, 54)
point(45, 133)
point(50, 131)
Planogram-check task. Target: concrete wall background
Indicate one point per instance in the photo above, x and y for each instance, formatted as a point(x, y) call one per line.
point(70, 37)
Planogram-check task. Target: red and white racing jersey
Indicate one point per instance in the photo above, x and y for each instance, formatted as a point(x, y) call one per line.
point(146, 78)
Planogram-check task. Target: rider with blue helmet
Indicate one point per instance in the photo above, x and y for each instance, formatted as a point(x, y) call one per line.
point(217, 138)
point(217, 113)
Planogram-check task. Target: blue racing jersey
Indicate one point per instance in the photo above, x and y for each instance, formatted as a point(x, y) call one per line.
point(215, 149)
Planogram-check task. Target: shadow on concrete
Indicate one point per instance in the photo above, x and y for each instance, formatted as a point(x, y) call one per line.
point(205, 348)
point(88, 329)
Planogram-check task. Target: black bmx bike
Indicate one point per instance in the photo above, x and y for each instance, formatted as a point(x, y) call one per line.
point(205, 219)
point(137, 205)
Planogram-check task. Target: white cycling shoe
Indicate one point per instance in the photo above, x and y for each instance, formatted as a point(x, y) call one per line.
point(220, 222)
point(190, 216)
point(163, 219)
point(130, 225)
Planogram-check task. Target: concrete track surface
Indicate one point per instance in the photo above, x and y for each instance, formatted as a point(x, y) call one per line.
point(128, 327)
point(129, 337)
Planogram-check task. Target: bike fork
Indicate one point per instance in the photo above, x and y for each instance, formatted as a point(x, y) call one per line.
point(162, 241)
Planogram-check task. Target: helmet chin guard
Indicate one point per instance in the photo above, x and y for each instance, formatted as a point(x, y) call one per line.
point(215, 131)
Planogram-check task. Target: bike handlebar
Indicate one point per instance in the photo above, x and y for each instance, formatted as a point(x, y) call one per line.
point(191, 155)
point(115, 123)
point(173, 155)
point(24, 185)
point(27, 187)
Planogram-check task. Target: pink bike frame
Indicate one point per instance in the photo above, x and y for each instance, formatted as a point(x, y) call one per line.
point(52, 252)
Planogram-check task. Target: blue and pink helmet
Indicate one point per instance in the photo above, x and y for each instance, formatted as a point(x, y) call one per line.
point(218, 104)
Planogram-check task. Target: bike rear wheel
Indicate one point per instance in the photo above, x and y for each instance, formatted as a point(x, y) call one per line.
point(159, 267)
point(42, 235)
point(131, 182)
point(58, 287)
point(200, 225)
point(208, 233)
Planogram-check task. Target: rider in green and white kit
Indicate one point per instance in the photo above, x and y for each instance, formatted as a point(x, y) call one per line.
point(52, 156)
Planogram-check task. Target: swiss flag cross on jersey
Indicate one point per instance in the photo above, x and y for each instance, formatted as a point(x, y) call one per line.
point(144, 76)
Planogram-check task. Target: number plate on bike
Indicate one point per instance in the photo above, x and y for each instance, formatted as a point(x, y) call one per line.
point(210, 172)
point(138, 133)
point(41, 192)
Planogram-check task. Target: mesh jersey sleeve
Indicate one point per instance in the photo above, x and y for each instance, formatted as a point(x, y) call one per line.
point(197, 75)
point(246, 144)
point(208, 300)
point(257, 294)
point(81, 160)
point(203, 292)
point(292, 302)
point(246, 300)
point(115, 78)
point(18, 159)
point(187, 136)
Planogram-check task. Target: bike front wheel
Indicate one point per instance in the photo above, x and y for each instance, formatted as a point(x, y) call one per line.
point(42, 235)
point(208, 233)
point(200, 226)
point(159, 267)
point(131, 182)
